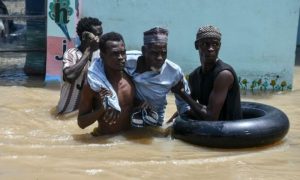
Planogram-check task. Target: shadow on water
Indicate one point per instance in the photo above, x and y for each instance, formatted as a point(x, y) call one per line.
point(277, 145)
point(133, 135)
point(144, 135)
point(89, 139)
point(139, 138)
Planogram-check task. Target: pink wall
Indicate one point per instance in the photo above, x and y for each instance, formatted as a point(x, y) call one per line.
point(60, 35)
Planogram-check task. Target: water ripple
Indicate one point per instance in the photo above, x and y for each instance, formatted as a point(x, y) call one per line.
point(93, 171)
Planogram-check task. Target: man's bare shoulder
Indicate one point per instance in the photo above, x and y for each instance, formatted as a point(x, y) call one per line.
point(225, 75)
point(225, 78)
point(87, 90)
point(127, 78)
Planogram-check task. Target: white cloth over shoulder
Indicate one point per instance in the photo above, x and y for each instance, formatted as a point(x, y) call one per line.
point(97, 80)
point(153, 87)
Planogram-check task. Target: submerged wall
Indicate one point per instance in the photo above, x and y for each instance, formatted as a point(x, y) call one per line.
point(259, 36)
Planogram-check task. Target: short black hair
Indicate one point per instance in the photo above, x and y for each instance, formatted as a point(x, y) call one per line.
point(111, 36)
point(85, 24)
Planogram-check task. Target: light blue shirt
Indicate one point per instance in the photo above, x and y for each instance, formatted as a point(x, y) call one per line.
point(153, 87)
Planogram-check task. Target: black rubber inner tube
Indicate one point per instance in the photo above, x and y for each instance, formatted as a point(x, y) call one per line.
point(261, 125)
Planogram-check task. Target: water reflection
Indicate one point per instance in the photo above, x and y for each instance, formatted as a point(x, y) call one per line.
point(12, 71)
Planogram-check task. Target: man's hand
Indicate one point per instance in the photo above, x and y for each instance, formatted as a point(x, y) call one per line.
point(100, 98)
point(104, 92)
point(111, 115)
point(91, 40)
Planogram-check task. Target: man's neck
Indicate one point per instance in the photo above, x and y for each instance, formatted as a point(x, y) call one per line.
point(114, 76)
point(209, 66)
point(141, 65)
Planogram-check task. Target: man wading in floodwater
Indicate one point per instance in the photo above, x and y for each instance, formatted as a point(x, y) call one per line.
point(108, 96)
point(154, 76)
point(215, 92)
point(76, 62)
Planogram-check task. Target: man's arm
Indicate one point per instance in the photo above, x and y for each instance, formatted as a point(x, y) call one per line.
point(182, 106)
point(71, 73)
point(217, 97)
point(86, 115)
point(197, 109)
point(90, 44)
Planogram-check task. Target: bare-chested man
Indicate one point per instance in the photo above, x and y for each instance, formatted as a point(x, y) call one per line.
point(111, 102)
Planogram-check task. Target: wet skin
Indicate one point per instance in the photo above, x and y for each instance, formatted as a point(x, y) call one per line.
point(91, 108)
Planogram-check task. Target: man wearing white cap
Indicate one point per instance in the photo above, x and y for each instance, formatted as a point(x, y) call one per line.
point(154, 76)
point(214, 85)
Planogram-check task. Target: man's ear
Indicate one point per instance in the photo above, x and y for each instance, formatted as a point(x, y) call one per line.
point(196, 45)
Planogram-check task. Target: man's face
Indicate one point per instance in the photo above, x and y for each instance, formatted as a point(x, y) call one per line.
point(208, 49)
point(97, 31)
point(155, 55)
point(115, 55)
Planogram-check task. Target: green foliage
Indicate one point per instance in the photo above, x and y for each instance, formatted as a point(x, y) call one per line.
point(263, 84)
